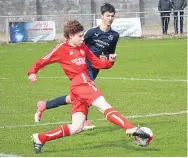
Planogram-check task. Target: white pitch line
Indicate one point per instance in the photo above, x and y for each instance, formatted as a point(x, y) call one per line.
point(153, 44)
point(110, 78)
point(8, 155)
point(67, 122)
point(126, 78)
point(4, 78)
point(143, 79)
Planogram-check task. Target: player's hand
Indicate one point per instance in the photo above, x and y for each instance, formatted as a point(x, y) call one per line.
point(112, 57)
point(32, 77)
point(102, 56)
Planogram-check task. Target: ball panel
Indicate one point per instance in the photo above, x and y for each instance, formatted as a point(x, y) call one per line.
point(144, 142)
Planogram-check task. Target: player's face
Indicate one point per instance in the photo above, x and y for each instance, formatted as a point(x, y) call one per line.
point(77, 39)
point(108, 18)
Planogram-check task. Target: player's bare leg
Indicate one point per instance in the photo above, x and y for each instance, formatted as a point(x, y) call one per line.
point(39, 139)
point(117, 118)
point(42, 106)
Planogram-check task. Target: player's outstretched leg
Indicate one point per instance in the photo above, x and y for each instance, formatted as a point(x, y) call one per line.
point(42, 105)
point(39, 139)
point(118, 119)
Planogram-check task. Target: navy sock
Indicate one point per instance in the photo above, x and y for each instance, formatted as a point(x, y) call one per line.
point(56, 102)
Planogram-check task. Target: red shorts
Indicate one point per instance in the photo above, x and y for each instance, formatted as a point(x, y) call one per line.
point(83, 92)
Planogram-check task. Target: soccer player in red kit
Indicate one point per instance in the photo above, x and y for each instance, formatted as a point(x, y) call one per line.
point(72, 56)
point(102, 41)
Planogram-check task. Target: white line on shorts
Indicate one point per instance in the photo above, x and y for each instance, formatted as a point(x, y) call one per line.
point(67, 122)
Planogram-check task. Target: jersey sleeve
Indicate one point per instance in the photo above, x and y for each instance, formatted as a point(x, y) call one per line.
point(96, 62)
point(87, 36)
point(50, 58)
point(114, 44)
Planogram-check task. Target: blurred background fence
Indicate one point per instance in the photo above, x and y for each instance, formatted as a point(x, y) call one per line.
point(86, 11)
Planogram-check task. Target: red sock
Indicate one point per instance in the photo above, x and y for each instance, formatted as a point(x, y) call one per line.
point(116, 118)
point(58, 132)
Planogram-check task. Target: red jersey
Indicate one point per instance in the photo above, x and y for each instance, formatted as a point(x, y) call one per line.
point(72, 60)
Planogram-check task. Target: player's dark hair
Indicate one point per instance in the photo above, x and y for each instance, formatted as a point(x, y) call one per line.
point(107, 7)
point(72, 27)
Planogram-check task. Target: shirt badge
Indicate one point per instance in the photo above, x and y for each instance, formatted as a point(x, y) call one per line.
point(82, 52)
point(71, 53)
point(110, 37)
point(96, 34)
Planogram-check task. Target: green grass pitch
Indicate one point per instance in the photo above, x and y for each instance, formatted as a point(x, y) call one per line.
point(148, 80)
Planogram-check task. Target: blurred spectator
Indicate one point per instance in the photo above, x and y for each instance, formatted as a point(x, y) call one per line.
point(164, 6)
point(178, 6)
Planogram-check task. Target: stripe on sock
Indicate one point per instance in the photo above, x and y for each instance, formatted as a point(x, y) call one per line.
point(120, 120)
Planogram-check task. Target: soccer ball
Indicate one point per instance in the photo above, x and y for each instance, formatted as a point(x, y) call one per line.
point(144, 142)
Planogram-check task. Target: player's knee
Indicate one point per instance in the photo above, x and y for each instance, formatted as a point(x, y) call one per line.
point(76, 128)
point(101, 104)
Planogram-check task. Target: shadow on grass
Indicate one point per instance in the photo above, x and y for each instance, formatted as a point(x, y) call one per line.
point(100, 130)
point(108, 145)
point(86, 145)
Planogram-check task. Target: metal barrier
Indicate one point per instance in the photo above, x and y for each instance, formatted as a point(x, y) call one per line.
point(152, 25)
point(150, 22)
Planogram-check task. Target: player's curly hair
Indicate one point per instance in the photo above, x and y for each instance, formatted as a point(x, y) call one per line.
point(72, 27)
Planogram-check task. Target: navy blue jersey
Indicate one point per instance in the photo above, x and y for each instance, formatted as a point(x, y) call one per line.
point(100, 42)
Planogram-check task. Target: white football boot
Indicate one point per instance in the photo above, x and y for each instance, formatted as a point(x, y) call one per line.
point(37, 143)
point(88, 126)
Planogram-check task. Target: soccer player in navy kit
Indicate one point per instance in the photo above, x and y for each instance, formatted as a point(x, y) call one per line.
point(102, 41)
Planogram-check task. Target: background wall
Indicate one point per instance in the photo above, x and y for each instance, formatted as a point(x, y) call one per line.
point(54, 7)
point(62, 10)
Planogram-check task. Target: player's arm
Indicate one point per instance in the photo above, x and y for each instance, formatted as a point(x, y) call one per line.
point(103, 56)
point(50, 58)
point(99, 63)
point(87, 36)
point(112, 46)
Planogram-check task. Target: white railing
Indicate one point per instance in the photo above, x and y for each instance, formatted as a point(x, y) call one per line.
point(150, 22)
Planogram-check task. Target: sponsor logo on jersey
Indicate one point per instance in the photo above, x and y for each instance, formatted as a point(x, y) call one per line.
point(101, 44)
point(79, 61)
